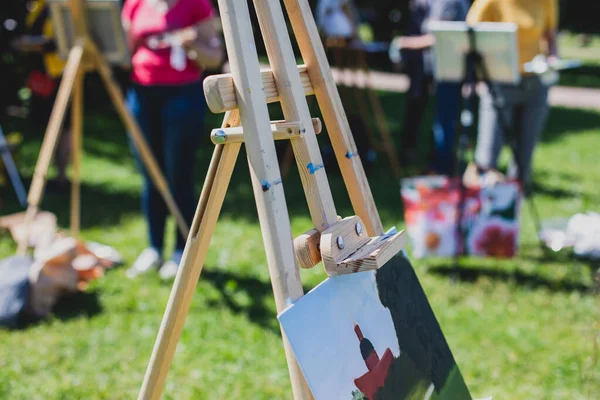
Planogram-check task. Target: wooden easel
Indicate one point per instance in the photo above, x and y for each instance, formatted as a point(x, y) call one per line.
point(85, 57)
point(347, 245)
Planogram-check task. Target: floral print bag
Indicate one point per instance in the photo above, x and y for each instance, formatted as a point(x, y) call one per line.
point(489, 217)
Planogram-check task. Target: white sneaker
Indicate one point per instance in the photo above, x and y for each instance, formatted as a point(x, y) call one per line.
point(168, 270)
point(148, 260)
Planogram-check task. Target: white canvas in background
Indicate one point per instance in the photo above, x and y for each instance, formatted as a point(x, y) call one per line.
point(495, 41)
point(324, 319)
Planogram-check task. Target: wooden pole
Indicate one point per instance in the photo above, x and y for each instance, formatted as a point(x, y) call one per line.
point(76, 136)
point(211, 199)
point(313, 54)
point(36, 190)
point(264, 169)
point(137, 136)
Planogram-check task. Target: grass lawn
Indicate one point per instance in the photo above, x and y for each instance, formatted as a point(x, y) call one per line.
point(588, 75)
point(524, 328)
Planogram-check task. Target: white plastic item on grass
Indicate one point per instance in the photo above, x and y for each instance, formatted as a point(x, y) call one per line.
point(584, 231)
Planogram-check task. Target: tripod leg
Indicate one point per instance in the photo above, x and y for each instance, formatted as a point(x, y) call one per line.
point(196, 248)
point(535, 216)
point(12, 171)
point(51, 136)
point(134, 130)
point(76, 132)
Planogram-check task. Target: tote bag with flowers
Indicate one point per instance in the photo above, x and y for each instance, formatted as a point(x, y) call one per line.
point(488, 215)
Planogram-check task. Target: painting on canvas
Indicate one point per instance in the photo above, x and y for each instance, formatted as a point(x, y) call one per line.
point(372, 335)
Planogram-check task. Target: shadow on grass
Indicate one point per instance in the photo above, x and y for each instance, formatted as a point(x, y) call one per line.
point(260, 292)
point(587, 76)
point(99, 206)
point(562, 121)
point(520, 278)
point(540, 187)
point(80, 304)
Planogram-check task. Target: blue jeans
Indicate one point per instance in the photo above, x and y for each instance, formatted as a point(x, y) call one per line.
point(444, 127)
point(171, 119)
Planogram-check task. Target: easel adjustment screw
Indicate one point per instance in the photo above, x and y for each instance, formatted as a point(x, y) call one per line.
point(340, 242)
point(359, 229)
point(220, 137)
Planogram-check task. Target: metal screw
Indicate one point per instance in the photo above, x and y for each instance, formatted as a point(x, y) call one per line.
point(290, 131)
point(220, 137)
point(340, 242)
point(358, 229)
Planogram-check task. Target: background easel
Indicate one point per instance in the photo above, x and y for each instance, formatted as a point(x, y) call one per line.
point(85, 57)
point(347, 245)
point(352, 55)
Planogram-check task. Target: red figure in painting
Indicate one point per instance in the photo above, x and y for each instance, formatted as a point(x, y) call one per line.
point(378, 368)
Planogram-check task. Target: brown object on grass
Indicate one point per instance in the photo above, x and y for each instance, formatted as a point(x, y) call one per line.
point(48, 283)
point(65, 266)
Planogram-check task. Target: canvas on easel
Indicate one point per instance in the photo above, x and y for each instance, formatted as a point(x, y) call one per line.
point(496, 41)
point(104, 24)
point(372, 336)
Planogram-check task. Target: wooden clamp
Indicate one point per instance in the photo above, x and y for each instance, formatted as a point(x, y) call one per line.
point(347, 248)
point(281, 131)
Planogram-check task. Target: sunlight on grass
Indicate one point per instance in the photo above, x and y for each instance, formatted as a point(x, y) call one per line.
point(523, 328)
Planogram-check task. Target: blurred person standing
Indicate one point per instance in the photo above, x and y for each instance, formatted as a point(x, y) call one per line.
point(525, 105)
point(172, 42)
point(417, 53)
point(336, 19)
point(416, 57)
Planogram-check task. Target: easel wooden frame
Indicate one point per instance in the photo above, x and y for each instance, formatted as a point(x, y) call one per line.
point(353, 244)
point(85, 57)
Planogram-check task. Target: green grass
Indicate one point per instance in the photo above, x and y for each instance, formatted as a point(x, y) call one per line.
point(588, 76)
point(524, 328)
point(570, 47)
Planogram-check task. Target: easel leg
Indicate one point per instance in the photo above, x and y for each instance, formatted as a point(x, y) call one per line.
point(134, 130)
point(77, 135)
point(287, 286)
point(51, 136)
point(196, 248)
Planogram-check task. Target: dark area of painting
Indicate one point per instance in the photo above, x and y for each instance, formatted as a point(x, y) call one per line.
point(425, 356)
